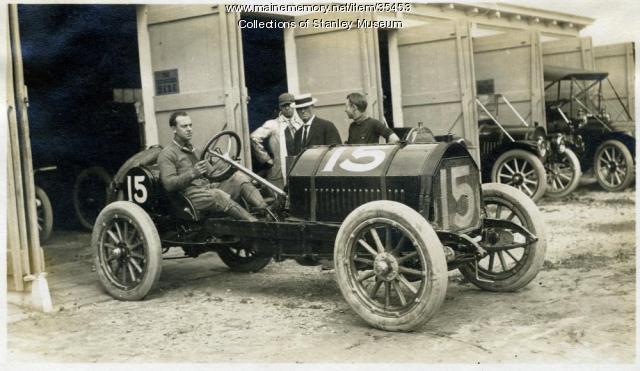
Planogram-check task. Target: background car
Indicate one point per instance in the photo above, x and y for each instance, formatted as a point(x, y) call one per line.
point(575, 108)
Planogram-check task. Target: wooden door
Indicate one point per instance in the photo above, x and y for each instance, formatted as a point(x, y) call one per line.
point(511, 64)
point(434, 74)
point(195, 53)
point(618, 60)
point(333, 62)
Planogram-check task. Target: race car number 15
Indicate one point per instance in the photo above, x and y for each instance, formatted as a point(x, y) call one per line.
point(371, 157)
point(139, 192)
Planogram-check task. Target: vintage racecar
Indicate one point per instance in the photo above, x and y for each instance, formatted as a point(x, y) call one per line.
point(575, 108)
point(393, 218)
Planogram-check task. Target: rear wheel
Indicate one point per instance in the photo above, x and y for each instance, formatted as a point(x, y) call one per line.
point(243, 259)
point(90, 194)
point(509, 269)
point(390, 266)
point(563, 176)
point(128, 253)
point(45, 214)
point(614, 166)
point(522, 170)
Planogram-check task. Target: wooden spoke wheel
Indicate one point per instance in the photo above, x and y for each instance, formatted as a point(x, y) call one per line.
point(243, 259)
point(513, 268)
point(390, 266)
point(614, 166)
point(128, 253)
point(90, 194)
point(44, 213)
point(563, 176)
point(522, 170)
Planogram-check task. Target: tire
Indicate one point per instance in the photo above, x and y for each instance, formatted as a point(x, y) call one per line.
point(563, 177)
point(408, 239)
point(90, 194)
point(240, 259)
point(136, 244)
point(614, 166)
point(521, 272)
point(522, 170)
point(44, 212)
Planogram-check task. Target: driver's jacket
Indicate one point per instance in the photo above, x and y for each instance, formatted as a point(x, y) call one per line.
point(178, 174)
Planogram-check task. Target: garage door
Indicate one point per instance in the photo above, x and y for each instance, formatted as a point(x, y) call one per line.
point(333, 62)
point(435, 68)
point(572, 52)
point(511, 64)
point(618, 60)
point(197, 66)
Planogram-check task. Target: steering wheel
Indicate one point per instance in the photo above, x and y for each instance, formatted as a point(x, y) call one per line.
point(227, 144)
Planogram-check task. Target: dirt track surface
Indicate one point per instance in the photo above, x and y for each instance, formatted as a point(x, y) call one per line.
point(580, 308)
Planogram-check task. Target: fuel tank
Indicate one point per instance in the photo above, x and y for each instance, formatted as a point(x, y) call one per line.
point(439, 180)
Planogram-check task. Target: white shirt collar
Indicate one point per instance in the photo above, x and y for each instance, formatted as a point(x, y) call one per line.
point(308, 123)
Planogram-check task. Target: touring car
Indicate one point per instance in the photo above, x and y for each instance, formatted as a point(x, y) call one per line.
point(603, 140)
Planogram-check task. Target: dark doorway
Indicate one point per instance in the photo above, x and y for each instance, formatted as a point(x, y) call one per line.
point(264, 69)
point(383, 47)
point(74, 57)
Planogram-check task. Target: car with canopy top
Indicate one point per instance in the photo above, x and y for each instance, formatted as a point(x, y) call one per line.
point(575, 108)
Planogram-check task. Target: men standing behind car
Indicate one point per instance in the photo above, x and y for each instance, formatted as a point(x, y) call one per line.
point(365, 129)
point(181, 171)
point(279, 135)
point(314, 130)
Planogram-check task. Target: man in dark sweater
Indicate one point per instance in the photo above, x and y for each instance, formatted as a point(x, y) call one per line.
point(181, 170)
point(365, 129)
point(314, 130)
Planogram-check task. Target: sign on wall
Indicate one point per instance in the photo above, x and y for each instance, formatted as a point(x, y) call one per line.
point(166, 82)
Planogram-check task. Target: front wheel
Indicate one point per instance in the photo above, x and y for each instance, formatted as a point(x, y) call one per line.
point(563, 175)
point(522, 170)
point(390, 266)
point(509, 269)
point(614, 166)
point(128, 252)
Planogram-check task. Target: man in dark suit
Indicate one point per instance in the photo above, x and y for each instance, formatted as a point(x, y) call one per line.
point(314, 130)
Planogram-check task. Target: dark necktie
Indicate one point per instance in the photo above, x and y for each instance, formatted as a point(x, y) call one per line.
point(305, 132)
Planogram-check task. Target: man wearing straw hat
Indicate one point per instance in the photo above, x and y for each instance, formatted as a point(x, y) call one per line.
point(314, 130)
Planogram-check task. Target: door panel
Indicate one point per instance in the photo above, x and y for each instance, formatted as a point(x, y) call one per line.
point(196, 58)
point(570, 53)
point(333, 62)
point(513, 63)
point(436, 79)
point(618, 60)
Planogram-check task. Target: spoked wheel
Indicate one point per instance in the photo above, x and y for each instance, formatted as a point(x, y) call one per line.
point(614, 166)
point(243, 259)
point(390, 266)
point(563, 175)
point(226, 143)
point(522, 170)
point(44, 213)
point(508, 269)
point(90, 194)
point(128, 253)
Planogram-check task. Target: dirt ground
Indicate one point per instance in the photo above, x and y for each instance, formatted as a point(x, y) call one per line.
point(579, 309)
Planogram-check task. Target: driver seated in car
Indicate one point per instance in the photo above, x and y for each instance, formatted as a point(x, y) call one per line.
point(182, 171)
